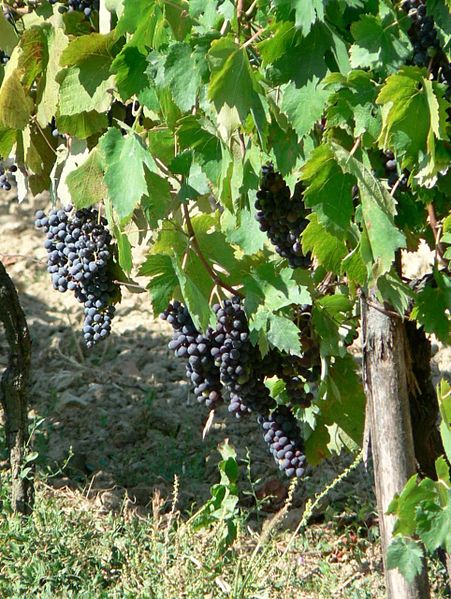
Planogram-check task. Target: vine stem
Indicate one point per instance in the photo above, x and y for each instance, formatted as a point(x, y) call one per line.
point(195, 244)
point(436, 229)
point(251, 8)
point(43, 135)
point(253, 37)
point(133, 285)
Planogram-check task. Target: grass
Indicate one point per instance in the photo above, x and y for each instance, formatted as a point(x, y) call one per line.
point(68, 548)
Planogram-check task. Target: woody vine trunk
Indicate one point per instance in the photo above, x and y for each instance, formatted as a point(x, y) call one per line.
point(14, 390)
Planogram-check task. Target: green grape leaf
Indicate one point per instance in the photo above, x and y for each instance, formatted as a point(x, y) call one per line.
point(85, 183)
point(432, 308)
point(351, 106)
point(124, 250)
point(193, 134)
point(15, 106)
point(156, 203)
point(304, 106)
point(193, 291)
point(242, 229)
point(86, 83)
point(378, 210)
point(307, 12)
point(303, 59)
point(404, 506)
point(279, 330)
point(8, 35)
point(82, 125)
point(285, 147)
point(404, 96)
point(380, 43)
point(48, 88)
point(281, 41)
point(396, 293)
point(87, 47)
point(326, 247)
point(354, 267)
point(7, 141)
point(273, 288)
point(214, 246)
point(178, 17)
point(130, 67)
point(344, 399)
point(440, 10)
point(145, 20)
point(316, 445)
point(163, 280)
point(326, 320)
point(126, 159)
point(182, 76)
point(434, 524)
point(444, 402)
point(329, 191)
point(405, 555)
point(86, 87)
point(233, 87)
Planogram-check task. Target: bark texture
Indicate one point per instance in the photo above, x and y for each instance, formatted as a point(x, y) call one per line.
point(14, 390)
point(424, 410)
point(385, 371)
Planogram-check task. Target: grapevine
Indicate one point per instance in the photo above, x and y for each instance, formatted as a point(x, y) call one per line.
point(277, 160)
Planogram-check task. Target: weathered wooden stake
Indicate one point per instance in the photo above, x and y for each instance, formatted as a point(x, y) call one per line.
point(385, 374)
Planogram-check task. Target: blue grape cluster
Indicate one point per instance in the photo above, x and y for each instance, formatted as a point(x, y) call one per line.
point(240, 363)
point(282, 217)
point(85, 6)
point(79, 249)
point(281, 432)
point(224, 358)
point(426, 45)
point(5, 173)
point(187, 342)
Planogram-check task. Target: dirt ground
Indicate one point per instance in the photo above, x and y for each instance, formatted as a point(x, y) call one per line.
point(120, 419)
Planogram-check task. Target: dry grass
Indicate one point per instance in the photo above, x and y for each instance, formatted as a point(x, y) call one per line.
point(68, 548)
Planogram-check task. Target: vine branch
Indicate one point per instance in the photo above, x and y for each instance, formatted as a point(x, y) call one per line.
point(195, 244)
point(436, 230)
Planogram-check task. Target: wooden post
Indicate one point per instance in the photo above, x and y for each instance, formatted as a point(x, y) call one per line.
point(14, 391)
point(384, 364)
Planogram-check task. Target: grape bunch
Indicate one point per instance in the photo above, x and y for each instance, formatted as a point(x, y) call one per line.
point(79, 249)
point(425, 42)
point(85, 6)
point(282, 217)
point(281, 432)
point(5, 173)
point(4, 58)
point(391, 170)
point(224, 358)
point(240, 363)
point(197, 348)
